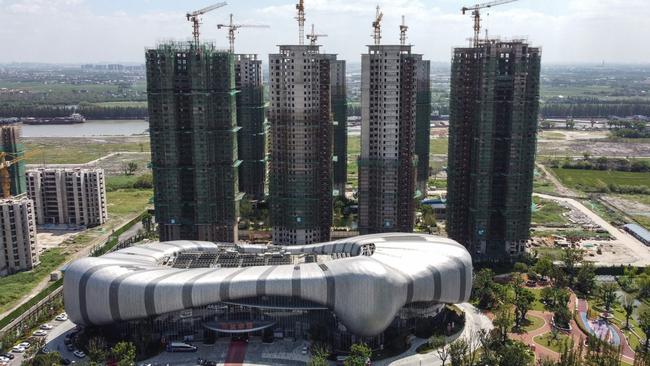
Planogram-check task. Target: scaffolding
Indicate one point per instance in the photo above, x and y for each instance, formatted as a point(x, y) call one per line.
point(252, 121)
point(492, 138)
point(193, 131)
point(423, 123)
point(10, 143)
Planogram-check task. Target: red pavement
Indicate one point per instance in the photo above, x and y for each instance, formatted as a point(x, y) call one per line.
point(236, 353)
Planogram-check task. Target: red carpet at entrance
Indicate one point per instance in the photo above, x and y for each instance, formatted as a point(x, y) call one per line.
point(236, 353)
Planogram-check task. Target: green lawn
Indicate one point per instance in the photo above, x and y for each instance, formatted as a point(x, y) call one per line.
point(79, 150)
point(537, 304)
point(533, 323)
point(438, 145)
point(586, 180)
point(121, 204)
point(548, 212)
point(552, 135)
point(15, 286)
point(552, 344)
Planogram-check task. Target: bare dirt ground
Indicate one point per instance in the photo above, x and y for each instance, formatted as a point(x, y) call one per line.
point(628, 206)
point(48, 239)
point(594, 148)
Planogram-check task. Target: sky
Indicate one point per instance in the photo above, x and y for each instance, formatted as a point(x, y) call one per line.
point(97, 31)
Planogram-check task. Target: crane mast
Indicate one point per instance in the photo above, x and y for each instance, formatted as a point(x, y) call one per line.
point(376, 25)
point(402, 32)
point(195, 18)
point(301, 22)
point(232, 28)
point(476, 15)
point(313, 37)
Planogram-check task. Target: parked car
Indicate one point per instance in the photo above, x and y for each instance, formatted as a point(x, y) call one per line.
point(25, 345)
point(65, 361)
point(46, 326)
point(39, 333)
point(62, 317)
point(8, 355)
point(79, 354)
point(45, 350)
point(18, 349)
point(4, 359)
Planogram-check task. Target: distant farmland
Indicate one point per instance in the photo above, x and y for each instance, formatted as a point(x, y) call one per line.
point(587, 180)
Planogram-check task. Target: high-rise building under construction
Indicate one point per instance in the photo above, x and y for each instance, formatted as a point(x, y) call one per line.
point(492, 137)
point(251, 138)
point(388, 123)
point(11, 145)
point(340, 130)
point(423, 123)
point(193, 130)
point(300, 151)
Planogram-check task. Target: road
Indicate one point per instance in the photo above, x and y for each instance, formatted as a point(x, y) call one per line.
point(636, 253)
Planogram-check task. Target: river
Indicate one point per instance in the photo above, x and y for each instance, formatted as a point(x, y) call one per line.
point(106, 127)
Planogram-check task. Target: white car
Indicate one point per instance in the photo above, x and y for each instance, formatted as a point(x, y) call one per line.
point(62, 317)
point(25, 345)
point(18, 349)
point(4, 359)
point(79, 354)
point(46, 326)
point(39, 333)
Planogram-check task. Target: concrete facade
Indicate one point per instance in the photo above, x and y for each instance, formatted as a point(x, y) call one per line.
point(10, 143)
point(18, 244)
point(300, 166)
point(387, 162)
point(68, 196)
point(494, 103)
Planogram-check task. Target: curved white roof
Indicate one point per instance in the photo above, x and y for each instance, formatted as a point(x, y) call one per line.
point(364, 291)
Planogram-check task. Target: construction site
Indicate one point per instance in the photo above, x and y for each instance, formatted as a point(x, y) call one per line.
point(387, 164)
point(192, 104)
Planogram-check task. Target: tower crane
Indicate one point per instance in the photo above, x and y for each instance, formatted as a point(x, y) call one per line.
point(477, 15)
point(232, 28)
point(194, 17)
point(402, 32)
point(7, 161)
point(377, 26)
point(301, 21)
point(313, 37)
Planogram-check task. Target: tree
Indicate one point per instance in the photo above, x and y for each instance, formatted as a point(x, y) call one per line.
point(515, 354)
point(457, 352)
point(586, 277)
point(359, 355)
point(130, 168)
point(562, 317)
point(628, 307)
point(503, 322)
point(123, 353)
point(42, 359)
point(523, 301)
point(607, 295)
point(147, 221)
point(520, 267)
point(484, 289)
point(571, 257)
point(319, 354)
point(439, 343)
point(644, 324)
point(36, 346)
point(97, 349)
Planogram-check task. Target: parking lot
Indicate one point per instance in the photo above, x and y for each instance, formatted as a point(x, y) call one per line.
point(54, 341)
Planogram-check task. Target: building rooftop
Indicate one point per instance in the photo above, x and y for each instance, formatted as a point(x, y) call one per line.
point(639, 230)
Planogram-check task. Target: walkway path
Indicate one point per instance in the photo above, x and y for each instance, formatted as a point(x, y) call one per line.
point(236, 353)
point(475, 320)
